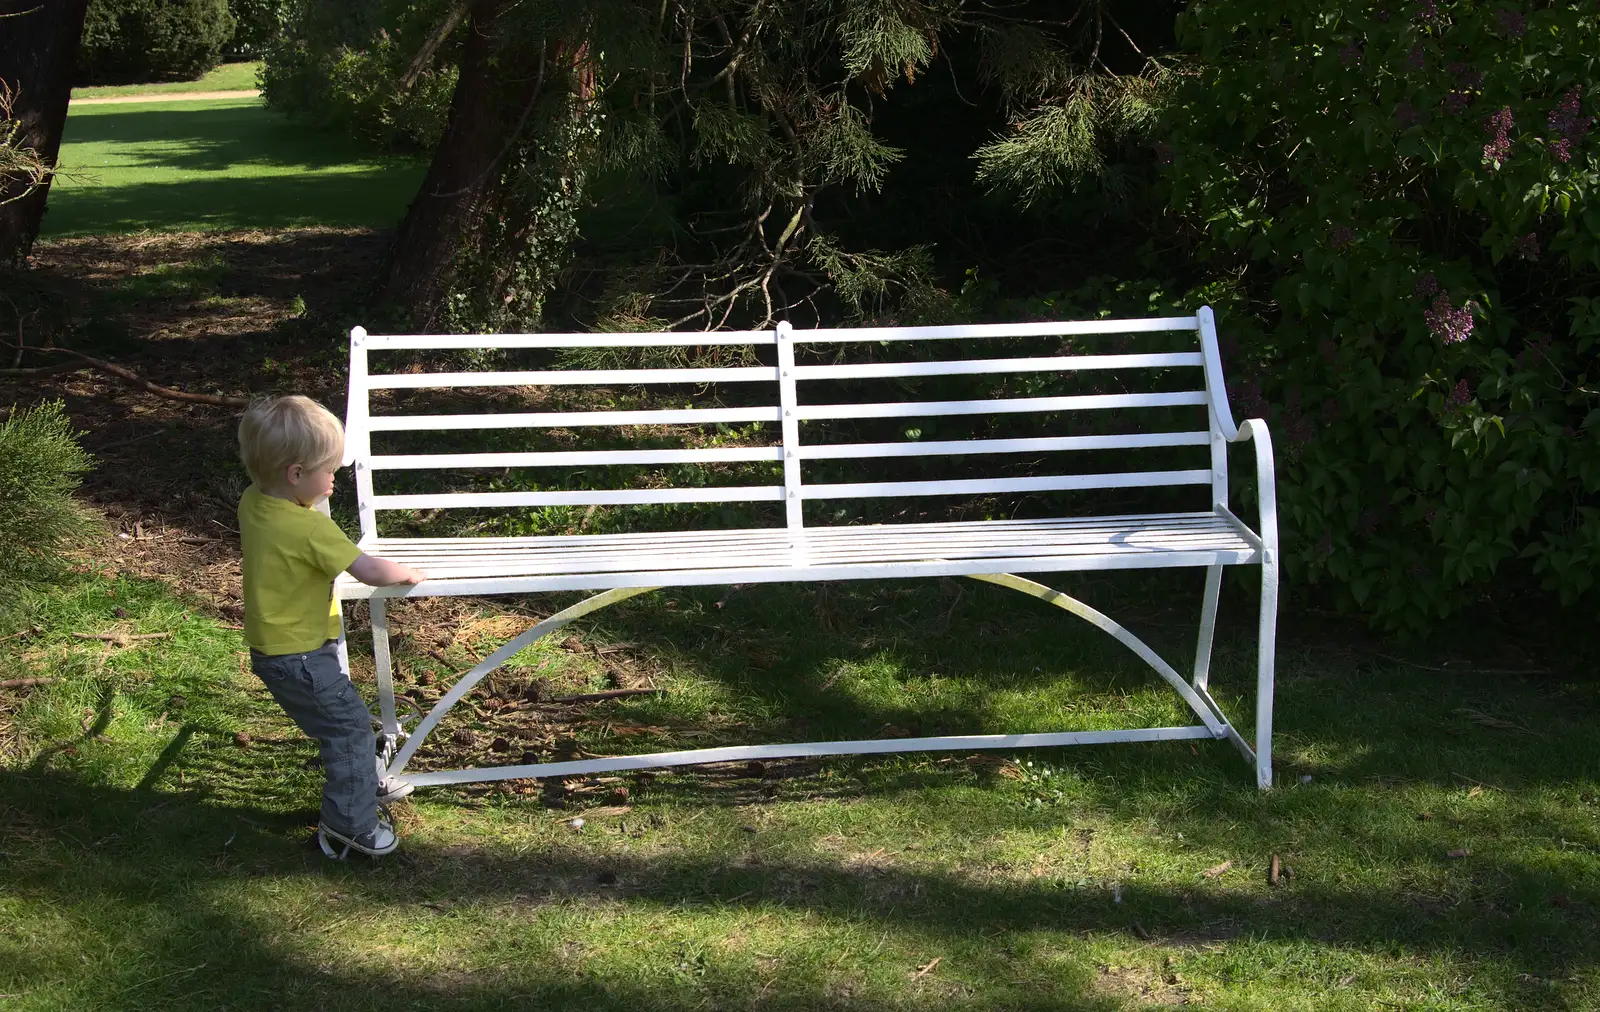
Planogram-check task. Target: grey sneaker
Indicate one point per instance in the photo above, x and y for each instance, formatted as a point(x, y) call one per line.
point(379, 841)
point(393, 789)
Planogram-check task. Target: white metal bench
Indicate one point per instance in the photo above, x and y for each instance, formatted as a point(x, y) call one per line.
point(620, 566)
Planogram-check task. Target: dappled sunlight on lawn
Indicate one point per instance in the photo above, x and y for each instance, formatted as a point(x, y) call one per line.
point(226, 164)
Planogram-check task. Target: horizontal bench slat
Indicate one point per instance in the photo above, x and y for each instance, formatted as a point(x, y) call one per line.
point(958, 331)
point(673, 339)
point(1042, 444)
point(596, 497)
point(782, 553)
point(980, 366)
point(714, 575)
point(980, 486)
point(562, 419)
point(569, 377)
point(1003, 405)
point(1126, 521)
point(577, 458)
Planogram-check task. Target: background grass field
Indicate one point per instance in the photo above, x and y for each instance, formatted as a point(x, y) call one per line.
point(228, 77)
point(216, 164)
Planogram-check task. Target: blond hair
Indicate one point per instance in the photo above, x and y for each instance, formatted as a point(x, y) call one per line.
point(278, 432)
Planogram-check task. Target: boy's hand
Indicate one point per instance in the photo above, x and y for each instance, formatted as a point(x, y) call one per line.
point(376, 572)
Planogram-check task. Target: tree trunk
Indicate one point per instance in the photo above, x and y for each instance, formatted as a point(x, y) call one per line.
point(415, 278)
point(38, 50)
point(472, 251)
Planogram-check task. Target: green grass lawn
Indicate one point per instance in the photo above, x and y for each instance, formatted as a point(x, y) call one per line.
point(152, 859)
point(228, 77)
point(216, 164)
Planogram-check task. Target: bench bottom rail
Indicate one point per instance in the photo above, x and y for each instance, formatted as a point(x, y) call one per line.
point(743, 753)
point(400, 747)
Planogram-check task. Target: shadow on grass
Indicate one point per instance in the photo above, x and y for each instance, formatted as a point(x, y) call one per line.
point(214, 137)
point(374, 196)
point(191, 166)
point(156, 890)
point(874, 659)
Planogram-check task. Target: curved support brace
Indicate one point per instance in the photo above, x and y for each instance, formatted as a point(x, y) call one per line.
point(484, 667)
point(1256, 431)
point(1213, 722)
point(1216, 390)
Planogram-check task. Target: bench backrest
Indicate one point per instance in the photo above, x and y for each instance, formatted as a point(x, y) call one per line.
point(785, 390)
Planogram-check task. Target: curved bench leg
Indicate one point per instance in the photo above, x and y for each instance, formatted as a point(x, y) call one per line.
point(1206, 711)
point(1267, 647)
point(383, 668)
point(1208, 627)
point(486, 666)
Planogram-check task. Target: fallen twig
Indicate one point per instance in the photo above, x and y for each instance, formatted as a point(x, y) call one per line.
point(39, 372)
point(923, 971)
point(1217, 870)
point(134, 379)
point(1464, 668)
point(26, 683)
point(607, 694)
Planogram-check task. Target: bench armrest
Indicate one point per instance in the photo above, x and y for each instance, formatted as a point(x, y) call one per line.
point(1254, 430)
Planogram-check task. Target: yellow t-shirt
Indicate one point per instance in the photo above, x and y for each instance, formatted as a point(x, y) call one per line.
point(291, 556)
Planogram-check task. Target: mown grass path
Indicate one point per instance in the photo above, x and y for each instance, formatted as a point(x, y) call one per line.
point(154, 814)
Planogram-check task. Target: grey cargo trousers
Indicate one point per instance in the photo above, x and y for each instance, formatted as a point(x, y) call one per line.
point(314, 691)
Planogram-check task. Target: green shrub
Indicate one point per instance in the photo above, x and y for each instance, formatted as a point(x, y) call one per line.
point(257, 24)
point(1406, 198)
point(339, 68)
point(133, 41)
point(41, 464)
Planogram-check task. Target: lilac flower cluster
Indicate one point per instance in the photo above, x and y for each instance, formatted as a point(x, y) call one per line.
point(1566, 120)
point(1456, 102)
point(1526, 246)
point(1341, 236)
point(1406, 113)
point(1459, 396)
point(1512, 24)
point(1448, 324)
point(1426, 286)
point(1417, 59)
point(1499, 126)
point(1428, 12)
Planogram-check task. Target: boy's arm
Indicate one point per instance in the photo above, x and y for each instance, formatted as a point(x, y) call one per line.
point(376, 572)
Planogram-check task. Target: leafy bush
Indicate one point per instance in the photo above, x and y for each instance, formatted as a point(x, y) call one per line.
point(1405, 198)
point(152, 40)
point(257, 24)
point(340, 69)
point(41, 464)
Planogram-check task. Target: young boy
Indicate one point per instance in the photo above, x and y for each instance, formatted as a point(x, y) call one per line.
point(292, 552)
